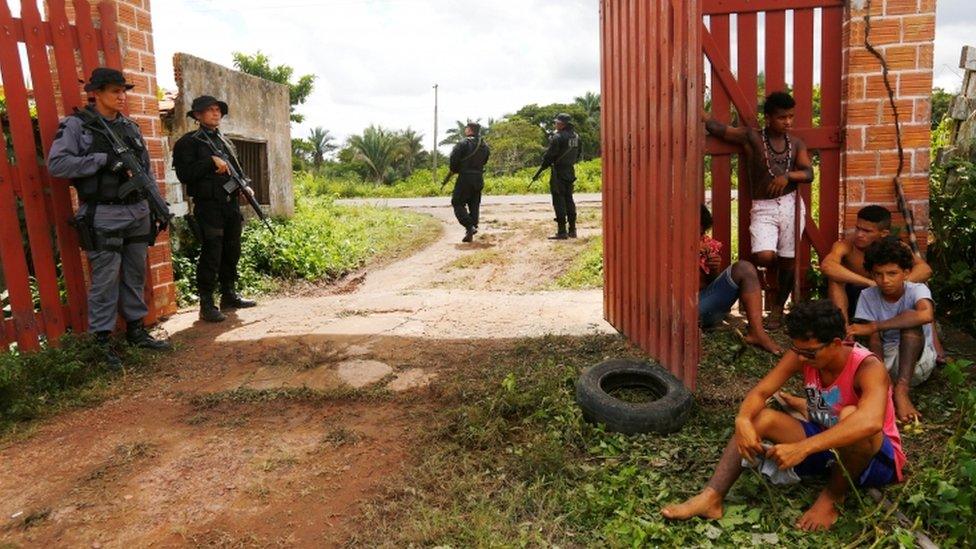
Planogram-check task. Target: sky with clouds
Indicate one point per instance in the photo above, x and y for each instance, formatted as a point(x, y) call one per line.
point(376, 61)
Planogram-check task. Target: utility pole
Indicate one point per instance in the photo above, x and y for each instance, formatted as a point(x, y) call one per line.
point(433, 151)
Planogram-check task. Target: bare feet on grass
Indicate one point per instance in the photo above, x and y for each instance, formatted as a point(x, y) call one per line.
point(821, 515)
point(904, 409)
point(707, 504)
point(763, 341)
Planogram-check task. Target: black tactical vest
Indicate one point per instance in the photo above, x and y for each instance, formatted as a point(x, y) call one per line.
point(103, 186)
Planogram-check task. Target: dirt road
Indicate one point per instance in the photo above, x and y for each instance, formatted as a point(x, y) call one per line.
point(272, 428)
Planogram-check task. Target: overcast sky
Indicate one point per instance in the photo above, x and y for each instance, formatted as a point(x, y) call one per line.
point(377, 60)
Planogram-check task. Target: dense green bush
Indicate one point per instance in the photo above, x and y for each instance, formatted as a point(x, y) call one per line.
point(322, 241)
point(952, 253)
point(421, 183)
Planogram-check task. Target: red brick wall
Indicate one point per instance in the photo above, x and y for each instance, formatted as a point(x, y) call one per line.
point(903, 32)
point(139, 64)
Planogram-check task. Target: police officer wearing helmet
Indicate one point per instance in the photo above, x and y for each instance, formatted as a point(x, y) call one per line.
point(563, 152)
point(217, 212)
point(468, 159)
point(115, 232)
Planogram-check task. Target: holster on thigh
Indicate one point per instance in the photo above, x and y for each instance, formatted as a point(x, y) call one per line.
point(108, 241)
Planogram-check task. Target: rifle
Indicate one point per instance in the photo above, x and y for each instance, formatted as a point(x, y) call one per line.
point(446, 179)
point(139, 181)
point(237, 180)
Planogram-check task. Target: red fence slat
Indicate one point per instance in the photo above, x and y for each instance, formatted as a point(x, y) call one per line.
point(87, 36)
point(32, 193)
point(721, 164)
point(775, 71)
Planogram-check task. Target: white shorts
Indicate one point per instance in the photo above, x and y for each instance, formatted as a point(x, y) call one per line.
point(923, 368)
point(771, 225)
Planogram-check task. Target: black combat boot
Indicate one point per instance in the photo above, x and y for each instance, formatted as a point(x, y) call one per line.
point(572, 229)
point(229, 299)
point(112, 360)
point(208, 310)
point(137, 336)
point(560, 232)
point(468, 234)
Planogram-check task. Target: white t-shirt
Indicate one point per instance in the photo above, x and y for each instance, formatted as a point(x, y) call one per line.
point(872, 306)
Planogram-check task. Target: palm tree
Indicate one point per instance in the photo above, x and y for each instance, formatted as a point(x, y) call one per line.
point(412, 148)
point(379, 149)
point(590, 103)
point(322, 143)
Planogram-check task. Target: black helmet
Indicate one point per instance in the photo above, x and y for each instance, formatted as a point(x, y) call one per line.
point(205, 101)
point(104, 76)
point(564, 118)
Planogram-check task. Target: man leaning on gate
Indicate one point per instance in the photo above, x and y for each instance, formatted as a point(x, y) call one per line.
point(115, 222)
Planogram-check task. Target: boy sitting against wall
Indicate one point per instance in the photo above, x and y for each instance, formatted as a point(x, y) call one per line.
point(896, 316)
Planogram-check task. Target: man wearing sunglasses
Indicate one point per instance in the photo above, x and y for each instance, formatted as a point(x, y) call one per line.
point(849, 411)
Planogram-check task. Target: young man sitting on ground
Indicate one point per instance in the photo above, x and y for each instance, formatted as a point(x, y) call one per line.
point(718, 292)
point(844, 265)
point(850, 410)
point(896, 315)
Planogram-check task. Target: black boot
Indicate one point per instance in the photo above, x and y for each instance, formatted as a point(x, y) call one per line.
point(112, 360)
point(468, 234)
point(208, 310)
point(572, 229)
point(137, 336)
point(229, 299)
point(561, 232)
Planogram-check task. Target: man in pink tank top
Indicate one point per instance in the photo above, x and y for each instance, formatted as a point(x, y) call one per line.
point(849, 411)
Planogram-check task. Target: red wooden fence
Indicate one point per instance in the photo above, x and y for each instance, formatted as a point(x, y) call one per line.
point(50, 266)
point(652, 151)
point(652, 71)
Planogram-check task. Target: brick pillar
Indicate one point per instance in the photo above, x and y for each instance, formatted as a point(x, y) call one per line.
point(139, 65)
point(903, 31)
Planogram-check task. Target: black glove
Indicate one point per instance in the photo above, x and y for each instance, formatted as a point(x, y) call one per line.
point(113, 162)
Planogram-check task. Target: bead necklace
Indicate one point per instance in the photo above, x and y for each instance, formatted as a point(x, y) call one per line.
point(769, 151)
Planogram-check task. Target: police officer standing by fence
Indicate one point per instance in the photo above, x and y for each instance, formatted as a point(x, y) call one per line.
point(563, 153)
point(114, 230)
point(468, 159)
point(200, 158)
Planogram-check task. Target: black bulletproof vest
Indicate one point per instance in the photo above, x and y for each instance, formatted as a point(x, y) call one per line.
point(103, 186)
point(475, 157)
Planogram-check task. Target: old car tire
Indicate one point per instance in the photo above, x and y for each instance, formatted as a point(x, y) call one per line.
point(665, 414)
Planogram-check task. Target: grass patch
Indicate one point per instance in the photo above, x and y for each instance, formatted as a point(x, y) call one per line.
point(421, 184)
point(586, 271)
point(38, 384)
point(478, 259)
point(507, 460)
point(322, 242)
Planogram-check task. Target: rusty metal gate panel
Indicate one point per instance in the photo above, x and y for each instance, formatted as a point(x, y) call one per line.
point(44, 276)
point(653, 145)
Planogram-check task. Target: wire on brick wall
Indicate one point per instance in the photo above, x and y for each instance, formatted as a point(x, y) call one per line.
point(906, 212)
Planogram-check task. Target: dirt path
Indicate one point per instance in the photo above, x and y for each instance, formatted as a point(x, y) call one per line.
point(224, 445)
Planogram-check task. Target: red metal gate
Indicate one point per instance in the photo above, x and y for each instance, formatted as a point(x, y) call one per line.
point(652, 151)
point(652, 69)
point(742, 89)
point(44, 277)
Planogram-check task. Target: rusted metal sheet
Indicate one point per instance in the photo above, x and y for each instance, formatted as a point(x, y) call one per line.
point(652, 56)
point(53, 262)
point(652, 154)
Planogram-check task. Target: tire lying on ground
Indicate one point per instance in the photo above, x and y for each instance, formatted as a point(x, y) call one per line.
point(666, 412)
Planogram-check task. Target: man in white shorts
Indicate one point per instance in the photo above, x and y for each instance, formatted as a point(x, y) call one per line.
point(776, 163)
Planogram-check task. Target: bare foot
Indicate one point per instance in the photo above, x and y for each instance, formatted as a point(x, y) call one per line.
point(821, 515)
point(707, 504)
point(904, 409)
point(764, 342)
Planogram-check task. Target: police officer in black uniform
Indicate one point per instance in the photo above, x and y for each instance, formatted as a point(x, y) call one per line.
point(468, 160)
point(115, 232)
point(563, 153)
point(217, 212)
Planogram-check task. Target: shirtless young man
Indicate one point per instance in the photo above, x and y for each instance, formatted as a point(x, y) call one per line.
point(776, 163)
point(849, 410)
point(844, 265)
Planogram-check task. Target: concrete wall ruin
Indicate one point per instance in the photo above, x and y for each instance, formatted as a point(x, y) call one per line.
point(258, 114)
